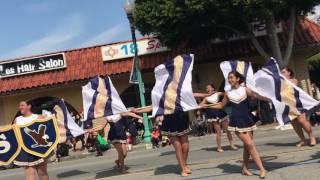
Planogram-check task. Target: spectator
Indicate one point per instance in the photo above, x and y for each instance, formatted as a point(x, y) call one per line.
point(165, 141)
point(155, 137)
point(315, 91)
point(78, 138)
point(101, 144)
point(62, 151)
point(129, 141)
point(199, 123)
point(130, 127)
point(315, 116)
point(266, 112)
point(91, 141)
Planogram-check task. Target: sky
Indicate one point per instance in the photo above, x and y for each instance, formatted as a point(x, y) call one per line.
point(32, 27)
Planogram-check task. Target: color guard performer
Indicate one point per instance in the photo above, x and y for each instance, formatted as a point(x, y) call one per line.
point(33, 165)
point(117, 136)
point(300, 123)
point(217, 116)
point(241, 120)
point(176, 127)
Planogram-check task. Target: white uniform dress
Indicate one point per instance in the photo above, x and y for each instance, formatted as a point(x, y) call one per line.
point(215, 115)
point(24, 158)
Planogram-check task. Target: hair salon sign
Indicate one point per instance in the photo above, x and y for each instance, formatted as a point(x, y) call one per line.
point(32, 65)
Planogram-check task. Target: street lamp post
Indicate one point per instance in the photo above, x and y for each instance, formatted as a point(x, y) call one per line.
point(129, 8)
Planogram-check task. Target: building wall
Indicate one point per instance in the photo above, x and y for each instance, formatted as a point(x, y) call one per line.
point(9, 109)
point(300, 67)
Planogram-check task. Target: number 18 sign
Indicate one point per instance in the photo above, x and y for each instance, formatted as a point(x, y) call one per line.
point(126, 50)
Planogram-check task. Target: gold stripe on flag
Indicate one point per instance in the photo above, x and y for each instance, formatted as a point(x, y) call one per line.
point(101, 99)
point(240, 66)
point(171, 92)
point(61, 127)
point(287, 97)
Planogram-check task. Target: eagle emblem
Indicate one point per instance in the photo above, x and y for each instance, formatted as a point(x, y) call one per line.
point(40, 138)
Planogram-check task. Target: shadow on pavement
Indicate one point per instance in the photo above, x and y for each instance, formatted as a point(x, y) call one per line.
point(316, 156)
point(282, 144)
point(268, 162)
point(70, 173)
point(114, 171)
point(168, 153)
point(107, 173)
point(229, 168)
point(226, 148)
point(167, 169)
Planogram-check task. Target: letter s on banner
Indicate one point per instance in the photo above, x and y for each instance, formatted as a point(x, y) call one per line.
point(9, 145)
point(4, 145)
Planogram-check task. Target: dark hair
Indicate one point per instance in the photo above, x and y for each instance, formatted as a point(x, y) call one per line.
point(29, 103)
point(290, 72)
point(237, 75)
point(212, 85)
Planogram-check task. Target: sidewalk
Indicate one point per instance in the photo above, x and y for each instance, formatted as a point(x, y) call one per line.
point(281, 165)
point(83, 154)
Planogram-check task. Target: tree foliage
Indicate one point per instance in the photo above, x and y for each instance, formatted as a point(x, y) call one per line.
point(314, 69)
point(193, 22)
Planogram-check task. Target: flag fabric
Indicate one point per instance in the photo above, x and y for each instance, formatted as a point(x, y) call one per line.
point(244, 68)
point(101, 99)
point(68, 128)
point(173, 90)
point(289, 100)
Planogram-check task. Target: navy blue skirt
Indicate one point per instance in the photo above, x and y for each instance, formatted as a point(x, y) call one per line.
point(242, 123)
point(215, 114)
point(26, 159)
point(117, 133)
point(175, 124)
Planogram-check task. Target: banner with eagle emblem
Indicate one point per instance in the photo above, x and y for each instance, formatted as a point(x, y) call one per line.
point(40, 137)
point(9, 145)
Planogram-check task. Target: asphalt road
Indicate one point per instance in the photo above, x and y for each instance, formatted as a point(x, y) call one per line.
point(281, 157)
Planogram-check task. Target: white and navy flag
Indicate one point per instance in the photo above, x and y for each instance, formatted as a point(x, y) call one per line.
point(68, 128)
point(173, 90)
point(244, 68)
point(289, 100)
point(101, 99)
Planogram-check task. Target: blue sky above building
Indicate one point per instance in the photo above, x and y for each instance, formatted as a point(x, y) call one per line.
point(30, 27)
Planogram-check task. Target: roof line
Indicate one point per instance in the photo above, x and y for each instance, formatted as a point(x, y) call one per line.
point(74, 49)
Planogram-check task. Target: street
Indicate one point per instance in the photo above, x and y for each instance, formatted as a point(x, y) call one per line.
point(282, 159)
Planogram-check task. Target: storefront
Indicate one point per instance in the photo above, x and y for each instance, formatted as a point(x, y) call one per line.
point(46, 77)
